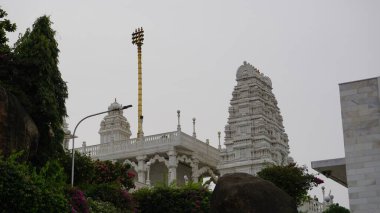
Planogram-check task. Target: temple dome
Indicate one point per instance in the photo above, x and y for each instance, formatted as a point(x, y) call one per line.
point(115, 105)
point(246, 70)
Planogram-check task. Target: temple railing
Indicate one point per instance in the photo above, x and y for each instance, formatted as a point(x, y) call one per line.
point(312, 206)
point(127, 145)
point(204, 150)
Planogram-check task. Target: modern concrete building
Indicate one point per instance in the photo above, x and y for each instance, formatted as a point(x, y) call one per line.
point(360, 169)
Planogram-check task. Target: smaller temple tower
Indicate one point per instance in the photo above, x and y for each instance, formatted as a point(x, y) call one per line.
point(114, 126)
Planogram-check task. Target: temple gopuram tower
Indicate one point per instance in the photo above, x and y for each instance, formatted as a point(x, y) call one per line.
point(254, 134)
point(114, 126)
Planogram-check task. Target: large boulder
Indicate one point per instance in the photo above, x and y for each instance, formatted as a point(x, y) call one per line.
point(243, 193)
point(18, 132)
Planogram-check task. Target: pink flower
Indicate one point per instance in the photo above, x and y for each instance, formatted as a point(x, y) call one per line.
point(317, 181)
point(130, 174)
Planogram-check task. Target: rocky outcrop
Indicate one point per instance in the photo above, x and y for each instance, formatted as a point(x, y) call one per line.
point(18, 132)
point(241, 192)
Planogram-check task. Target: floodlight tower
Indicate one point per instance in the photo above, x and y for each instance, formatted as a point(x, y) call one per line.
point(138, 39)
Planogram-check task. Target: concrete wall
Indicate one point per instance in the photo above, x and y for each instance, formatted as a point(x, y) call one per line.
point(360, 104)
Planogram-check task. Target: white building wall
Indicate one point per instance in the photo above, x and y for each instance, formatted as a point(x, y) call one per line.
point(360, 103)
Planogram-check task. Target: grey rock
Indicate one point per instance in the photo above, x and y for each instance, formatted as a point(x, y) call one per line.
point(244, 193)
point(18, 132)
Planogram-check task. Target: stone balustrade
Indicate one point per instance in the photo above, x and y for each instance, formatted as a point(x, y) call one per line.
point(101, 151)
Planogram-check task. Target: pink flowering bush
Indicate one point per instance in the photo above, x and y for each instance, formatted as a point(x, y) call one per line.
point(108, 172)
point(78, 201)
point(111, 193)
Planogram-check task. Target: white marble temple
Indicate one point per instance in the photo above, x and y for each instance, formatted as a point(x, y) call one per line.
point(254, 134)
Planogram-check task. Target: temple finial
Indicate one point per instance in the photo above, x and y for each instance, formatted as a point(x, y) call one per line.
point(219, 147)
point(179, 121)
point(194, 134)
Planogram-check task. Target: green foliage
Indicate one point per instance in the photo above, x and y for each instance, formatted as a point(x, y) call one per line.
point(88, 171)
point(22, 189)
point(84, 168)
point(5, 26)
point(112, 193)
point(190, 198)
point(102, 181)
point(109, 172)
point(335, 208)
point(98, 206)
point(293, 179)
point(42, 89)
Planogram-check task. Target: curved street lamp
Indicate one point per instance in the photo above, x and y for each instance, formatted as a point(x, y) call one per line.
point(73, 136)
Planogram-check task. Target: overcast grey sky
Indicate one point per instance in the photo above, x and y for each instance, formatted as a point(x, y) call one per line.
point(192, 51)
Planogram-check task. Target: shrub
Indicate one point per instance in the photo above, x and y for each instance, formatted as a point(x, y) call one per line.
point(88, 171)
point(189, 198)
point(78, 202)
point(112, 193)
point(23, 189)
point(292, 179)
point(84, 168)
point(335, 208)
point(108, 172)
point(98, 206)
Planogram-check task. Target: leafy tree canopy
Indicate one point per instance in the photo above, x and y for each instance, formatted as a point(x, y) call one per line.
point(44, 90)
point(335, 208)
point(5, 26)
point(23, 189)
point(293, 179)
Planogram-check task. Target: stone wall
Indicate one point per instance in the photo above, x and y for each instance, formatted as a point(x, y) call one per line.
point(360, 104)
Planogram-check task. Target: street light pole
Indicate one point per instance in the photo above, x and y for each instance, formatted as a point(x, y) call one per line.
point(73, 136)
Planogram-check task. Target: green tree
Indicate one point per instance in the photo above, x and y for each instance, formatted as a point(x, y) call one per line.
point(5, 26)
point(335, 208)
point(84, 169)
point(45, 90)
point(23, 189)
point(293, 179)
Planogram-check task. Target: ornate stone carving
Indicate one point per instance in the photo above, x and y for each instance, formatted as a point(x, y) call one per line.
point(114, 126)
point(159, 159)
point(254, 134)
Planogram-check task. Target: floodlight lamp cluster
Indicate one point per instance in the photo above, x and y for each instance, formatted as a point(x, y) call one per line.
point(138, 36)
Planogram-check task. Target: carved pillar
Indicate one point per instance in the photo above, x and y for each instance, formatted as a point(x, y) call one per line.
point(194, 169)
point(147, 182)
point(172, 166)
point(140, 168)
